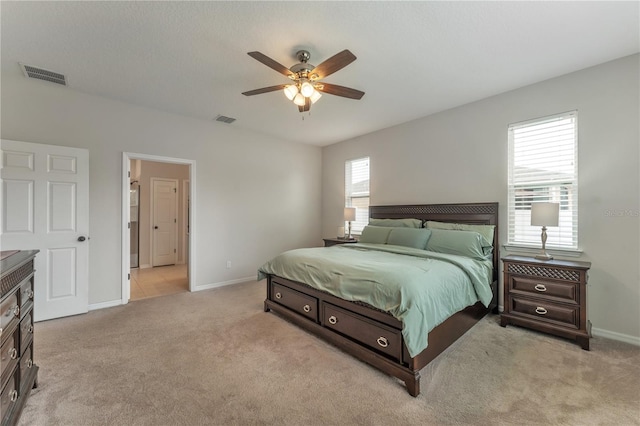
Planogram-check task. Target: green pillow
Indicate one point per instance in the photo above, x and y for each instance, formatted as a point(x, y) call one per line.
point(485, 230)
point(409, 237)
point(397, 223)
point(462, 243)
point(374, 235)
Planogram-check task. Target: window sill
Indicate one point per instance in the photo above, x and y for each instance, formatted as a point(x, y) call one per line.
point(534, 250)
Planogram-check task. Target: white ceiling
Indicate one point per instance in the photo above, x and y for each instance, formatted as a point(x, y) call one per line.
point(414, 58)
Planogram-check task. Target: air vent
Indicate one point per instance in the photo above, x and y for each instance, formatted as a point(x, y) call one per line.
point(42, 74)
point(224, 119)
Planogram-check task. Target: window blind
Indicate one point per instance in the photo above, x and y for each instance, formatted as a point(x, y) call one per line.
point(543, 167)
point(356, 177)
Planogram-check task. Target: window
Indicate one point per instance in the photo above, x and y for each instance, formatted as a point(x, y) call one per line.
point(543, 166)
point(356, 180)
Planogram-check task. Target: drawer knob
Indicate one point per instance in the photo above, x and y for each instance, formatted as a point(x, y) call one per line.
point(13, 395)
point(16, 311)
point(333, 320)
point(13, 353)
point(30, 294)
point(278, 296)
point(29, 363)
point(540, 310)
point(540, 287)
point(306, 308)
point(382, 341)
point(30, 328)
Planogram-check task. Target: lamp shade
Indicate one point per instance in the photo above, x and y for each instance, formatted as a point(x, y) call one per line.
point(544, 214)
point(349, 214)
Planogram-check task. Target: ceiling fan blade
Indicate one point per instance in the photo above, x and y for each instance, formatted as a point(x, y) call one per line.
point(333, 64)
point(334, 89)
point(265, 90)
point(270, 63)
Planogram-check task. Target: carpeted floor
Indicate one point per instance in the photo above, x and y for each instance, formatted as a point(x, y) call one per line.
point(215, 358)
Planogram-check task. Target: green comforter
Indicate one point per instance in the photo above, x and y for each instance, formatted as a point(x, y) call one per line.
point(420, 288)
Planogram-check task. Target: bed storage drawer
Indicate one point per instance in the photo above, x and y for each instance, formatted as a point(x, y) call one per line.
point(364, 330)
point(296, 301)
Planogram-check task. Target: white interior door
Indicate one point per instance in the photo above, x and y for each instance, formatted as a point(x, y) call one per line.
point(45, 206)
point(164, 222)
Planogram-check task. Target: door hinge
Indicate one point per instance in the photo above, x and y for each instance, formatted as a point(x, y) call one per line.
point(129, 225)
point(128, 174)
point(175, 220)
point(129, 277)
point(175, 190)
point(174, 250)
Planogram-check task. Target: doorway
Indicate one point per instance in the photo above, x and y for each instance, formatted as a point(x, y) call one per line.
point(146, 274)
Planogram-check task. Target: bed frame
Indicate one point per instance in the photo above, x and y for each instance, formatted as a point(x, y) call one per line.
point(372, 335)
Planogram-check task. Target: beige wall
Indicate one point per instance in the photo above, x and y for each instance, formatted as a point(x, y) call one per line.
point(247, 185)
point(460, 155)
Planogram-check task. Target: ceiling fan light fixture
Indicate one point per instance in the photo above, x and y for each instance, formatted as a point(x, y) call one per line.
point(291, 91)
point(315, 96)
point(299, 100)
point(306, 89)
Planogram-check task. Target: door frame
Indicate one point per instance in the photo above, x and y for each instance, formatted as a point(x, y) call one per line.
point(126, 244)
point(152, 211)
point(184, 228)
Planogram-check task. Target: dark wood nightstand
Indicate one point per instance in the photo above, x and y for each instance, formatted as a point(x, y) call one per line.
point(548, 296)
point(328, 242)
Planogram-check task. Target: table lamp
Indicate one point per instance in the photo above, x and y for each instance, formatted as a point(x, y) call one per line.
point(544, 214)
point(349, 216)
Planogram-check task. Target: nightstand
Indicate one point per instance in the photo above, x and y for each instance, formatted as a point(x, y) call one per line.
point(328, 242)
point(548, 296)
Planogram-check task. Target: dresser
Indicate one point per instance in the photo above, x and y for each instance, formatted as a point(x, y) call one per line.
point(548, 296)
point(18, 372)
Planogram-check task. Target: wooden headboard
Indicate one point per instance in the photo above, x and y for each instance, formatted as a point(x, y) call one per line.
point(473, 213)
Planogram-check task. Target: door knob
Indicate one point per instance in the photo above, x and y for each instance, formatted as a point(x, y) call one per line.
point(155, 227)
point(81, 238)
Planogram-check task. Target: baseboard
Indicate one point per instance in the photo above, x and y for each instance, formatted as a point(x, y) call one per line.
point(145, 266)
point(102, 305)
point(616, 336)
point(223, 283)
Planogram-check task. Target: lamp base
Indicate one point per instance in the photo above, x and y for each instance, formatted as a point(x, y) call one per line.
point(544, 256)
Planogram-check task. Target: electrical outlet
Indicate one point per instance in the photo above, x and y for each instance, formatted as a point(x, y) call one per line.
point(228, 264)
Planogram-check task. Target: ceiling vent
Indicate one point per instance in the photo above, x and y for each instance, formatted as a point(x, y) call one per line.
point(224, 119)
point(42, 74)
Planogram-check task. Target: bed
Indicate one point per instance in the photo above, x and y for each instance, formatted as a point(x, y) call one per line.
point(393, 336)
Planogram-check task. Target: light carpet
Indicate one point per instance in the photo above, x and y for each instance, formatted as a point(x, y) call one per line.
point(215, 358)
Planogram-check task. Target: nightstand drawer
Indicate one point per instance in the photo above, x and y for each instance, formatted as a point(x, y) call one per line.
point(565, 315)
point(296, 301)
point(553, 290)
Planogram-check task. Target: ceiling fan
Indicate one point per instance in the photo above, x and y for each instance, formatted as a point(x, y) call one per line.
point(307, 85)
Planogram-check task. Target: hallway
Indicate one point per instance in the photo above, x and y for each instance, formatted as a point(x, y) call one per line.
point(159, 281)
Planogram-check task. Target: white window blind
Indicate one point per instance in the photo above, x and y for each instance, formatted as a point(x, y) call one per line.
point(543, 167)
point(356, 179)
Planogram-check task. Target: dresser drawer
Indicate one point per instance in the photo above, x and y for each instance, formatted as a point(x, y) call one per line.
point(26, 364)
point(552, 290)
point(296, 301)
point(364, 330)
point(9, 395)
point(26, 294)
point(9, 315)
point(9, 354)
point(543, 310)
point(26, 332)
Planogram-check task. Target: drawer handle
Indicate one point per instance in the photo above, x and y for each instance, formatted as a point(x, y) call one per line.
point(540, 310)
point(306, 308)
point(278, 296)
point(16, 311)
point(30, 328)
point(13, 353)
point(540, 287)
point(382, 341)
point(13, 395)
point(30, 294)
point(333, 320)
point(29, 363)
